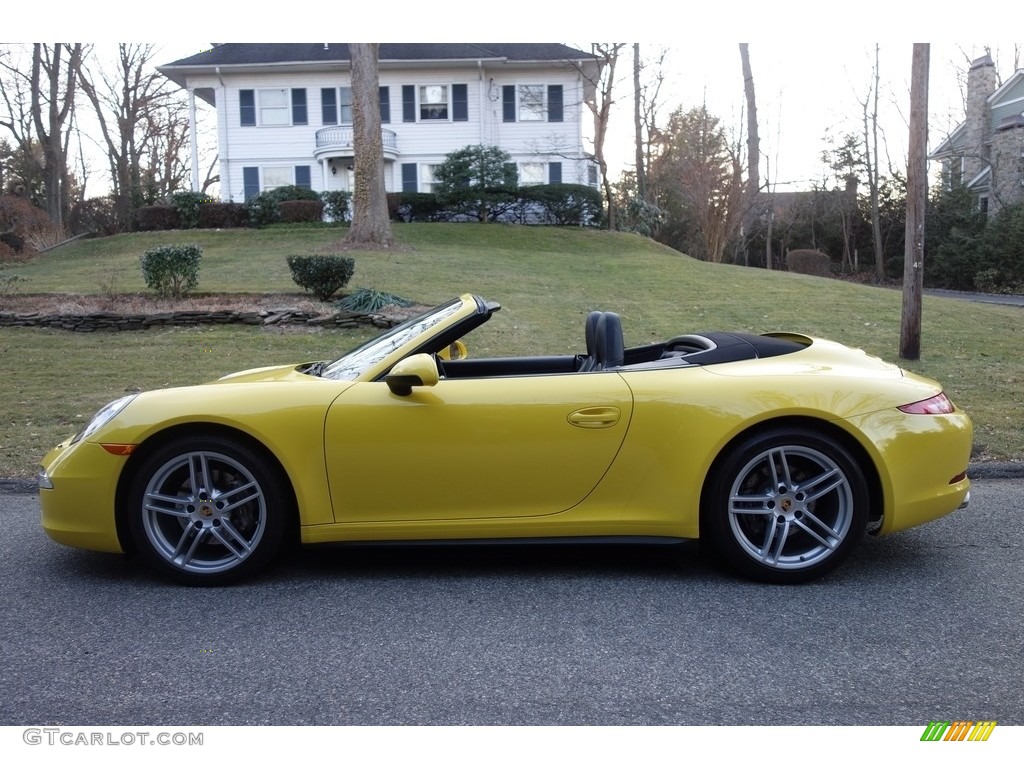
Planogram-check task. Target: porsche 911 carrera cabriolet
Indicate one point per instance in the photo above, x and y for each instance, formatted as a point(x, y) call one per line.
point(779, 451)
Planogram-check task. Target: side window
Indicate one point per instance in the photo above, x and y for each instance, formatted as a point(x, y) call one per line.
point(247, 106)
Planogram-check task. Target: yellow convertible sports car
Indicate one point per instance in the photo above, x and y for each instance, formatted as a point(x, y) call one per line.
point(779, 450)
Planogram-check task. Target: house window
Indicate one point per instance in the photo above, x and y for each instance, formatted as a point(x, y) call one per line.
point(427, 181)
point(345, 107)
point(531, 173)
point(592, 175)
point(277, 176)
point(433, 102)
point(983, 205)
point(274, 108)
point(531, 102)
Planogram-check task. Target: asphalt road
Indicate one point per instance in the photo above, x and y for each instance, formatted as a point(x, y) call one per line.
point(923, 625)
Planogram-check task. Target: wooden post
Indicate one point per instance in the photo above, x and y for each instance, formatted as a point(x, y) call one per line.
point(917, 196)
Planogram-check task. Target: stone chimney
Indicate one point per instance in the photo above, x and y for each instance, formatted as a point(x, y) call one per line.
point(981, 83)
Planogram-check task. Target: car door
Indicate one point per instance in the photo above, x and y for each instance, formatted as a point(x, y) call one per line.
point(473, 448)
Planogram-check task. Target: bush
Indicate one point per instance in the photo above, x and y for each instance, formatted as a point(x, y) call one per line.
point(321, 275)
point(99, 215)
point(222, 215)
point(304, 211)
point(336, 205)
point(171, 270)
point(416, 206)
point(187, 204)
point(564, 205)
point(262, 210)
point(157, 217)
point(809, 262)
point(25, 227)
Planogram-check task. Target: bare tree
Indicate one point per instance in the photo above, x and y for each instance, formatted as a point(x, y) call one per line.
point(370, 222)
point(600, 100)
point(641, 165)
point(53, 83)
point(870, 111)
point(917, 196)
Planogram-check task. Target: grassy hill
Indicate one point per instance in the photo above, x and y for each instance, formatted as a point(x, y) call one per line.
point(546, 279)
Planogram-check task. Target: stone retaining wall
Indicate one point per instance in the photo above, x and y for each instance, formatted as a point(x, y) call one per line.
point(113, 321)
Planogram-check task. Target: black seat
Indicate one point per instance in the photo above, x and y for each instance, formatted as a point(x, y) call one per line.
point(590, 360)
point(610, 346)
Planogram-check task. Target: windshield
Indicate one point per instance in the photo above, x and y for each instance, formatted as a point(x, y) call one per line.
point(353, 364)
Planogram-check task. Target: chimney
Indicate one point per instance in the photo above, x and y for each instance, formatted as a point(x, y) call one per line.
point(981, 83)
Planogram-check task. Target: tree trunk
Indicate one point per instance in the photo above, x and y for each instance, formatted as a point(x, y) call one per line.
point(641, 168)
point(51, 130)
point(370, 222)
point(753, 156)
point(917, 196)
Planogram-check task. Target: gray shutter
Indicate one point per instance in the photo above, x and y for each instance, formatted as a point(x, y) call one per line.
point(409, 177)
point(328, 106)
point(300, 115)
point(555, 104)
point(554, 173)
point(408, 103)
point(303, 177)
point(508, 103)
point(247, 106)
point(250, 181)
point(385, 104)
point(460, 102)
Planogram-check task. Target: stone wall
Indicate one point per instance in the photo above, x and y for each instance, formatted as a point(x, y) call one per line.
point(113, 321)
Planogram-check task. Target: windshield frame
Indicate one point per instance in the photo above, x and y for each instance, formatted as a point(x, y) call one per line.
point(373, 358)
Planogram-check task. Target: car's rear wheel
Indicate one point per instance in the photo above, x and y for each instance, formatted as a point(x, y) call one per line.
point(786, 506)
point(208, 510)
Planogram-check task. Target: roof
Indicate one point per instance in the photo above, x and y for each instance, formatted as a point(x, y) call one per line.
point(1003, 94)
point(280, 54)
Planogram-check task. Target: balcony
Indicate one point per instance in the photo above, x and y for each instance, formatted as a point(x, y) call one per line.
point(336, 141)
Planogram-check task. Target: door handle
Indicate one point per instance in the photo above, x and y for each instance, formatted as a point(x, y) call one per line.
point(595, 418)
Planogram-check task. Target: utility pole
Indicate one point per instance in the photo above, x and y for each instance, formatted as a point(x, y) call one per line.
point(917, 196)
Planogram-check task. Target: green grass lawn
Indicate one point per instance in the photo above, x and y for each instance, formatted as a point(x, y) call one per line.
point(546, 279)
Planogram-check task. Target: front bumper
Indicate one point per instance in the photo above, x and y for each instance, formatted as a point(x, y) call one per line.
point(77, 488)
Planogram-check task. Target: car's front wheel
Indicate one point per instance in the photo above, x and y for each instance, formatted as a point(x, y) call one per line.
point(786, 506)
point(207, 511)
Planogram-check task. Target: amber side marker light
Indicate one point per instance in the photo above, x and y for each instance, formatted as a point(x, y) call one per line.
point(118, 449)
point(933, 405)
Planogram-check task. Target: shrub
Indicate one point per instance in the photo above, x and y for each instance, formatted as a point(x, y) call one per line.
point(336, 205)
point(296, 211)
point(171, 270)
point(321, 275)
point(187, 204)
point(291, 192)
point(371, 300)
point(416, 206)
point(565, 205)
point(157, 217)
point(262, 210)
point(25, 227)
point(222, 215)
point(809, 262)
point(99, 215)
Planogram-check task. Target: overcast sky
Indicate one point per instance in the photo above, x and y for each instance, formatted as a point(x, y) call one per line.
point(811, 61)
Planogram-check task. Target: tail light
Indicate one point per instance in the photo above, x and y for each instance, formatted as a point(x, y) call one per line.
point(933, 405)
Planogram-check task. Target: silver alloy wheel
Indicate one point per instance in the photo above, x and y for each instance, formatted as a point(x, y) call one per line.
point(791, 507)
point(204, 512)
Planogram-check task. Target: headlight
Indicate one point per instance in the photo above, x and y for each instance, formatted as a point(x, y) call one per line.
point(103, 415)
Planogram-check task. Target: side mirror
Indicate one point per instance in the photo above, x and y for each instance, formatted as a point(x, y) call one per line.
point(415, 371)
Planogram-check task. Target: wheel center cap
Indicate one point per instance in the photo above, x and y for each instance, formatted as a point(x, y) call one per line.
point(206, 510)
point(786, 504)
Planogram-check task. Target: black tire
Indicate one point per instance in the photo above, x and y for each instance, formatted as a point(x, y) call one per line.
point(786, 506)
point(204, 532)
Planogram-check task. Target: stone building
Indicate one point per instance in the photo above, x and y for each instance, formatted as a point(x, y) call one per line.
point(986, 151)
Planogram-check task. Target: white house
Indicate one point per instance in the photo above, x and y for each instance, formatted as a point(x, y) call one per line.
point(284, 111)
